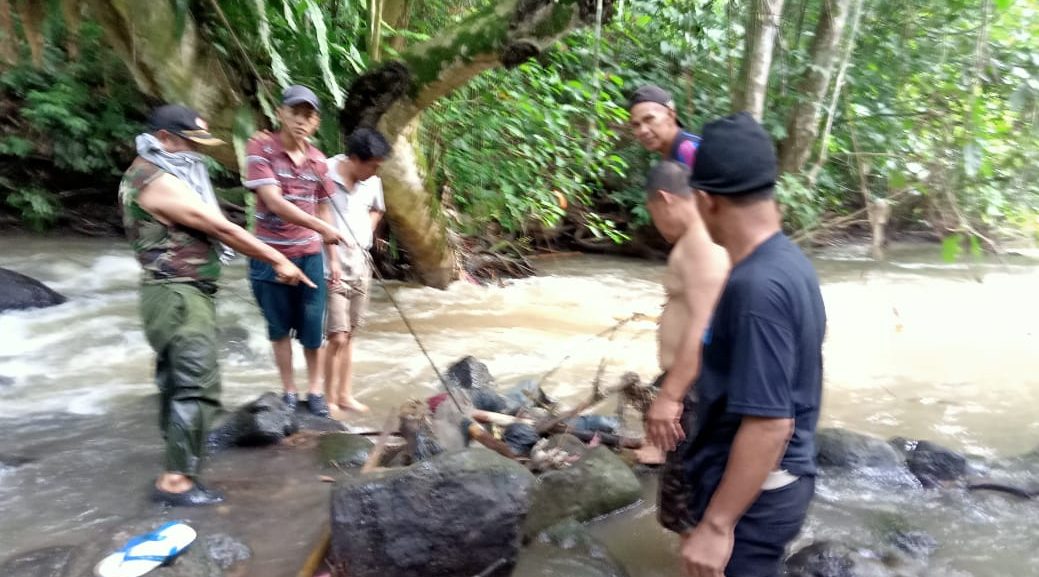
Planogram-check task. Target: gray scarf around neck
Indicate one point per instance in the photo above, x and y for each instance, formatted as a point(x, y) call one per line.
point(191, 169)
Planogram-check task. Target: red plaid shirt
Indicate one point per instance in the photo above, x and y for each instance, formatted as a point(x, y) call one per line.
point(304, 185)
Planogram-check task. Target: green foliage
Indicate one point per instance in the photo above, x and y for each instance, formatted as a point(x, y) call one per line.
point(517, 147)
point(942, 101)
point(37, 207)
point(311, 42)
point(802, 207)
point(81, 116)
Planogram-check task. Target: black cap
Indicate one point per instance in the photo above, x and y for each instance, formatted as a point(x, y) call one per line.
point(184, 122)
point(299, 94)
point(736, 157)
point(653, 93)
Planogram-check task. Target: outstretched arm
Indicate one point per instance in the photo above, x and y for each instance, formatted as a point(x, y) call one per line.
point(169, 200)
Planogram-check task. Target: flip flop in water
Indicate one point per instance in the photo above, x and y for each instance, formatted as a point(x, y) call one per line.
point(146, 552)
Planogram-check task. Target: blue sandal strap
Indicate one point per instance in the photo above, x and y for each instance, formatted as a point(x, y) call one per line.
point(154, 536)
point(157, 558)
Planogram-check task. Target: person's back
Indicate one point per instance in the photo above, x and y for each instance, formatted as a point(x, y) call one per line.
point(750, 468)
point(773, 292)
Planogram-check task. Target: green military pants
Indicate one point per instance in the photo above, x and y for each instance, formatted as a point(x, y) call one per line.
point(180, 324)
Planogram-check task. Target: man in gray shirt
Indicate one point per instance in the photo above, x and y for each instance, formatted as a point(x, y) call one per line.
point(358, 207)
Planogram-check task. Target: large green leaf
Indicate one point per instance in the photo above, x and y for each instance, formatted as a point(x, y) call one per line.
point(281, 72)
point(317, 19)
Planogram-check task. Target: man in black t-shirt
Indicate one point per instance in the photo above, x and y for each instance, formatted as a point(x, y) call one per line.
point(751, 463)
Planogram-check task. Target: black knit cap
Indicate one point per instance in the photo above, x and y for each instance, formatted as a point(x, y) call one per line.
point(736, 157)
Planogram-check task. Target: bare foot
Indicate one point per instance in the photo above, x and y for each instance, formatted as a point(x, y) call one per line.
point(174, 483)
point(352, 404)
point(650, 455)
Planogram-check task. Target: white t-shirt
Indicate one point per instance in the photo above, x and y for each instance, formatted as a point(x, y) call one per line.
point(351, 210)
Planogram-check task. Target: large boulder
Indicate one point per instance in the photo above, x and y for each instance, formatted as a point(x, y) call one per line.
point(48, 562)
point(455, 514)
point(568, 549)
point(598, 484)
point(18, 292)
point(265, 421)
point(850, 450)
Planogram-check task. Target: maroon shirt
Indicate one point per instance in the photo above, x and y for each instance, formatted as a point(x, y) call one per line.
point(304, 185)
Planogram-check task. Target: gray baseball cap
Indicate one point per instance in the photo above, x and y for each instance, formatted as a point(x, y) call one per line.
point(299, 94)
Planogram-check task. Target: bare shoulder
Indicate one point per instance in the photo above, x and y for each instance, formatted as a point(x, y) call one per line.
point(695, 250)
point(166, 197)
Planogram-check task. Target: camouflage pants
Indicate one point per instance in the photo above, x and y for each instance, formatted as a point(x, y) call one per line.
point(674, 497)
point(180, 324)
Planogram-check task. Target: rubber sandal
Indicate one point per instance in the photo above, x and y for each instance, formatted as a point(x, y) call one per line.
point(144, 553)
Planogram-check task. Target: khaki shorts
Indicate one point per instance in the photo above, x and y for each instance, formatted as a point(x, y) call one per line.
point(347, 305)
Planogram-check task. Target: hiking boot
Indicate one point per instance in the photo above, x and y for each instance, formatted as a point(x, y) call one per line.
point(316, 405)
point(197, 496)
point(290, 400)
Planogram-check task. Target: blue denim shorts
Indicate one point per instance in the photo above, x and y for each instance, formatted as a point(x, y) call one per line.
point(292, 310)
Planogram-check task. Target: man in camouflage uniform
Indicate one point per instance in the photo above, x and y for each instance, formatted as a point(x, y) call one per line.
point(176, 231)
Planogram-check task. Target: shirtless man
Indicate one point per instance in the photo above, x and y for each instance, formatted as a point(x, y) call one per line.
point(696, 273)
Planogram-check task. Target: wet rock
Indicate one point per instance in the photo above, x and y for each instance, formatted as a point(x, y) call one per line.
point(49, 562)
point(598, 484)
point(344, 450)
point(234, 340)
point(225, 550)
point(265, 421)
point(311, 422)
point(568, 549)
point(829, 559)
point(6, 381)
point(917, 544)
point(19, 292)
point(193, 562)
point(850, 450)
point(455, 514)
point(521, 438)
point(934, 465)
